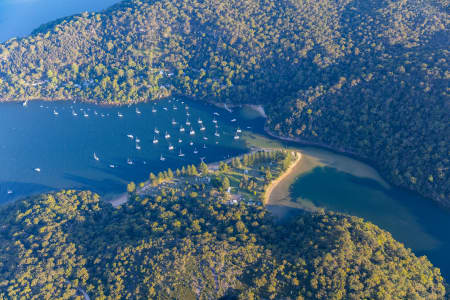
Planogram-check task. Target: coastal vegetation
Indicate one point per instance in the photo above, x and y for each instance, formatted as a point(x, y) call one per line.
point(201, 235)
point(368, 78)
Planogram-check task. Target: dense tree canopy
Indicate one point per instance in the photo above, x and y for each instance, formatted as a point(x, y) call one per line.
point(368, 77)
point(183, 239)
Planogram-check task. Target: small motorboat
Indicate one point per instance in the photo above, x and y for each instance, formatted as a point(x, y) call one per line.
point(238, 130)
point(96, 157)
point(233, 120)
point(236, 137)
point(37, 170)
point(130, 136)
point(156, 131)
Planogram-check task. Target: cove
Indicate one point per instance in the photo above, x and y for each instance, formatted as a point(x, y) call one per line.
point(331, 181)
point(60, 139)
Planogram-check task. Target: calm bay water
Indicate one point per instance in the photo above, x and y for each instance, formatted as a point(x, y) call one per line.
point(342, 184)
point(62, 146)
point(20, 17)
point(50, 137)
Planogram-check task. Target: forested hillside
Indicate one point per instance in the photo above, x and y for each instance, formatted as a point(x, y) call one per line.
point(369, 77)
point(179, 245)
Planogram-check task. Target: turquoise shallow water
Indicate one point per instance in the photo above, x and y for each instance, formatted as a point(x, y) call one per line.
point(417, 222)
point(62, 146)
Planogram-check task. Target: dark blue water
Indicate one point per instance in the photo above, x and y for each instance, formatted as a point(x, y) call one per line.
point(62, 146)
point(20, 17)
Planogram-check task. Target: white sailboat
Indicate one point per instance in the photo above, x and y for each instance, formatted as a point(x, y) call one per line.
point(112, 166)
point(181, 154)
point(233, 120)
point(170, 147)
point(85, 114)
point(216, 114)
point(203, 128)
point(175, 108)
point(155, 140)
point(129, 161)
point(96, 157)
point(25, 103)
point(55, 112)
point(174, 122)
point(119, 115)
point(238, 130)
point(162, 158)
point(217, 134)
point(192, 132)
point(165, 108)
point(138, 140)
point(236, 137)
point(95, 112)
point(191, 143)
point(74, 113)
point(138, 147)
point(188, 123)
point(182, 129)
point(195, 151)
point(167, 136)
point(156, 131)
point(130, 136)
point(200, 121)
point(214, 121)
point(205, 138)
point(138, 111)
point(154, 110)
point(180, 141)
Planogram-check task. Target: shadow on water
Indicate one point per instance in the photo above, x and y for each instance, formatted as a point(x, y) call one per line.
point(101, 186)
point(10, 191)
point(412, 220)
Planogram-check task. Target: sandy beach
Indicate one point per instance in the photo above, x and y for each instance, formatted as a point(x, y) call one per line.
point(274, 184)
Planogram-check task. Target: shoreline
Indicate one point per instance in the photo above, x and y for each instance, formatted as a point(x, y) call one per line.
point(276, 182)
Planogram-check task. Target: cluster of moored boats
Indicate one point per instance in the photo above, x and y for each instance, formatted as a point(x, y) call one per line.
point(187, 129)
